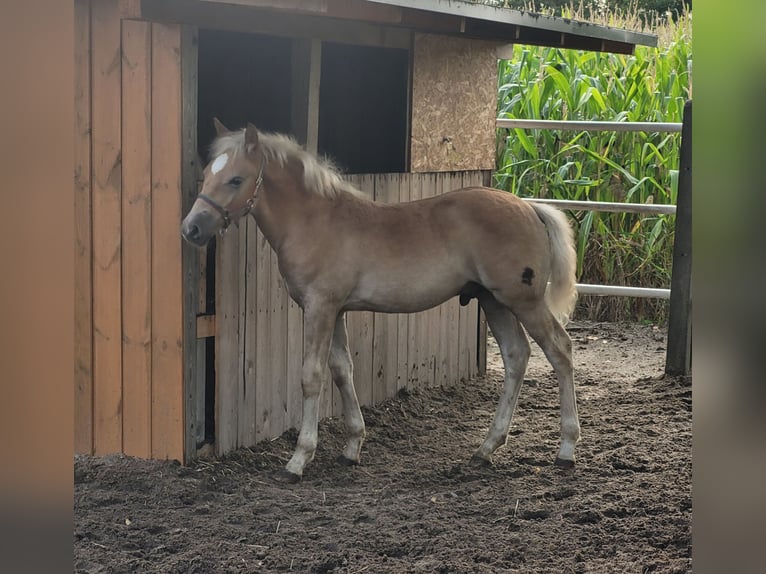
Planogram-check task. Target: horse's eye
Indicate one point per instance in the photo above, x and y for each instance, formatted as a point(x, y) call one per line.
point(235, 182)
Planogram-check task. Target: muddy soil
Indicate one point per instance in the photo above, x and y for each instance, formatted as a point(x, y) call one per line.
point(416, 504)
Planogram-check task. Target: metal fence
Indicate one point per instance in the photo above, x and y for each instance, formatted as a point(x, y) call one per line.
point(678, 359)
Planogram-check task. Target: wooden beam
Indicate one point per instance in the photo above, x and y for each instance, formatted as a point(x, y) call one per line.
point(106, 221)
point(679, 353)
point(136, 238)
point(193, 364)
point(167, 275)
point(251, 20)
point(83, 335)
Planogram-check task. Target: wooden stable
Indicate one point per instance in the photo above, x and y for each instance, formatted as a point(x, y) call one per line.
point(174, 347)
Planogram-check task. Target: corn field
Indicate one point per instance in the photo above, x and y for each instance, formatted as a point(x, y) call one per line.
point(554, 84)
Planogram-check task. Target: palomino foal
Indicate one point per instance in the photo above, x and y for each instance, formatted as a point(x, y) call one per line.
point(338, 251)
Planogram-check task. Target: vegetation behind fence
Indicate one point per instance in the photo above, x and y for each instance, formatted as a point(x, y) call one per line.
point(651, 85)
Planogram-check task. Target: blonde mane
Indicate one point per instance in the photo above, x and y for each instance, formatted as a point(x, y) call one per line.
point(320, 176)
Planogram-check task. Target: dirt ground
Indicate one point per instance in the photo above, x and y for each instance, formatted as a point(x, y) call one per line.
point(416, 504)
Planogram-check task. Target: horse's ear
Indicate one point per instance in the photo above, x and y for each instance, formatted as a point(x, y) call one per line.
point(251, 137)
point(220, 129)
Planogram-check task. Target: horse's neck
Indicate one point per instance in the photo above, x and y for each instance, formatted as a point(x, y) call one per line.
point(285, 205)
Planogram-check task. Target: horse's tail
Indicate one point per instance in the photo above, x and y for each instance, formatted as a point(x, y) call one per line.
point(561, 294)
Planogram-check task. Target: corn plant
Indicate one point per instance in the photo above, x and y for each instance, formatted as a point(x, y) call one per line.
point(651, 85)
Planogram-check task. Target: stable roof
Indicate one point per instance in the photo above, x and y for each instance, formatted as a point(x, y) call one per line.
point(455, 18)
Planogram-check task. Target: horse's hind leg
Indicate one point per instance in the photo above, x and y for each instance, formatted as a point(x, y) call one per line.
point(342, 370)
point(514, 349)
point(557, 346)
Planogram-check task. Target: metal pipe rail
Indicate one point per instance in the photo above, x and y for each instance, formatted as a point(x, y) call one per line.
point(590, 126)
point(603, 290)
point(615, 207)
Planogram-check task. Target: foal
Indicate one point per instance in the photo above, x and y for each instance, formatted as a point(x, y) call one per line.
point(339, 251)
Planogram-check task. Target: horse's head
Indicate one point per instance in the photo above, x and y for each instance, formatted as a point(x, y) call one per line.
point(230, 187)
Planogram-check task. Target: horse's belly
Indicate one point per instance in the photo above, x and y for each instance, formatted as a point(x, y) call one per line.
point(389, 295)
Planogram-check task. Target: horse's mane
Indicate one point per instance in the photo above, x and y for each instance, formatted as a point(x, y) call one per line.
point(320, 175)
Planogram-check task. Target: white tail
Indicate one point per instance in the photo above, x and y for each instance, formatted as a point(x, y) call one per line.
point(562, 293)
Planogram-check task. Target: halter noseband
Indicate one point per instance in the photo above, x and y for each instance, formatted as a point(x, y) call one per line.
point(244, 210)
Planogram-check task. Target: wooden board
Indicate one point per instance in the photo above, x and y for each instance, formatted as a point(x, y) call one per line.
point(386, 336)
point(265, 342)
point(83, 335)
point(167, 309)
point(278, 335)
point(136, 238)
point(106, 221)
point(194, 351)
point(403, 320)
point(248, 337)
point(226, 342)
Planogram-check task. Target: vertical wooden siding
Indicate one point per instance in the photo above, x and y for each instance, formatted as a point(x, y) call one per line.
point(129, 328)
point(260, 333)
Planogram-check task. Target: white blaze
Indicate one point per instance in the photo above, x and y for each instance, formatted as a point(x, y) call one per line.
point(219, 163)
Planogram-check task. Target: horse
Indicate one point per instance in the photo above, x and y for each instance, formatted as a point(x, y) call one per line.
point(339, 251)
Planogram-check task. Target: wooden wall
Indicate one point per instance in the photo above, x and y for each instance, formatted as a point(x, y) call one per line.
point(129, 379)
point(259, 342)
point(454, 103)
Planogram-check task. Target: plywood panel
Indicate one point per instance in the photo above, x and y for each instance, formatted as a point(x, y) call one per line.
point(454, 101)
point(106, 220)
point(136, 238)
point(83, 335)
point(227, 370)
point(167, 308)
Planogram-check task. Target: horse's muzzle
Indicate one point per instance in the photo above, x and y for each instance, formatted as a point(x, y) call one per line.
point(199, 228)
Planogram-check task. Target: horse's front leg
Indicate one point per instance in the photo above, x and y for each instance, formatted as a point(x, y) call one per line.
point(318, 327)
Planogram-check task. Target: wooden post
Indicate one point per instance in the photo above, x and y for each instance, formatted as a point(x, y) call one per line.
point(194, 377)
point(678, 358)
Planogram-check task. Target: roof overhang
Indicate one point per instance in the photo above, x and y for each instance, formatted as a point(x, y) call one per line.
point(514, 26)
point(446, 17)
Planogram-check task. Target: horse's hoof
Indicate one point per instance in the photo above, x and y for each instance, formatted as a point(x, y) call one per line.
point(345, 461)
point(287, 477)
point(563, 463)
point(480, 462)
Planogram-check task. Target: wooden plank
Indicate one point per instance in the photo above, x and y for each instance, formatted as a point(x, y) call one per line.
point(429, 337)
point(227, 318)
point(194, 351)
point(83, 335)
point(451, 313)
point(402, 319)
point(106, 220)
point(294, 364)
point(363, 329)
point(263, 357)
point(386, 337)
point(679, 353)
point(414, 320)
point(136, 238)
point(278, 355)
point(167, 305)
point(205, 326)
point(248, 337)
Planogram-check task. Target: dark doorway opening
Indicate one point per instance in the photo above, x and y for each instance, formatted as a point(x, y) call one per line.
point(363, 107)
